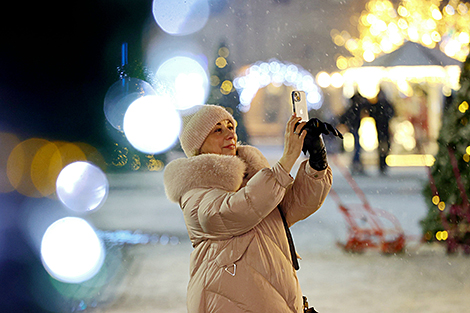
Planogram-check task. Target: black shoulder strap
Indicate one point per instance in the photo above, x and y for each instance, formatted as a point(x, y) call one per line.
point(293, 254)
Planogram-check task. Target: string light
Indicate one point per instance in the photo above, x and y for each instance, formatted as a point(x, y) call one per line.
point(383, 28)
point(463, 107)
point(441, 206)
point(261, 74)
point(442, 235)
point(221, 62)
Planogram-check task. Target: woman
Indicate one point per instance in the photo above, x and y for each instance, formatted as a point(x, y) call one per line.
point(229, 195)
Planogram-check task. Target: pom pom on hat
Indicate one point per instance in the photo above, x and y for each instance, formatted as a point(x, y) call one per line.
point(197, 124)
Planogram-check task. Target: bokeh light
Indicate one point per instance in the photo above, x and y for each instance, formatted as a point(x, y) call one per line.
point(19, 166)
point(348, 142)
point(181, 17)
point(186, 81)
point(404, 135)
point(82, 186)
point(31, 167)
point(152, 124)
point(71, 251)
point(261, 74)
point(384, 26)
point(45, 167)
point(368, 134)
point(120, 96)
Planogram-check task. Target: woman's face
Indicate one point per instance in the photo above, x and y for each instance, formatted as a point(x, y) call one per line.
point(221, 140)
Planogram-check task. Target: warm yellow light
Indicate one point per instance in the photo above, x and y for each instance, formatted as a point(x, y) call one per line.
point(323, 79)
point(442, 235)
point(431, 24)
point(224, 52)
point(405, 88)
point(402, 24)
point(348, 142)
point(452, 47)
point(403, 11)
point(371, 18)
point(466, 157)
point(468, 150)
point(436, 14)
point(368, 134)
point(435, 36)
point(395, 160)
point(463, 107)
point(155, 165)
point(413, 33)
point(445, 235)
point(337, 80)
point(405, 135)
point(446, 91)
point(368, 56)
point(351, 45)
point(339, 40)
point(221, 62)
point(363, 20)
point(215, 80)
point(426, 39)
point(464, 38)
point(386, 45)
point(226, 87)
point(441, 205)
point(436, 200)
point(342, 63)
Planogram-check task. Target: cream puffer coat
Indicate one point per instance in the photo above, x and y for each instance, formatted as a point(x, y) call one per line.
point(241, 261)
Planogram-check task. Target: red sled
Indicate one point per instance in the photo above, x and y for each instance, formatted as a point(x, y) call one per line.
point(368, 228)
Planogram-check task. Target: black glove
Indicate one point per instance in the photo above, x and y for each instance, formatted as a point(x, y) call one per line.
point(313, 142)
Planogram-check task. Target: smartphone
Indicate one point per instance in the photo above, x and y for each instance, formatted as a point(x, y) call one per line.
point(299, 104)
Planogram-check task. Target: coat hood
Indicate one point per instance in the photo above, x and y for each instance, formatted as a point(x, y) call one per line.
point(229, 173)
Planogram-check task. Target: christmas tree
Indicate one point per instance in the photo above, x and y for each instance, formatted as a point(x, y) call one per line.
point(121, 155)
point(222, 91)
point(448, 218)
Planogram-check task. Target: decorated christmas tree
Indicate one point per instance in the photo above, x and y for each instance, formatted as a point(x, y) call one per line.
point(448, 218)
point(223, 92)
point(121, 155)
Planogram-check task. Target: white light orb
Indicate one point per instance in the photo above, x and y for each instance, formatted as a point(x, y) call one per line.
point(181, 17)
point(120, 96)
point(71, 251)
point(152, 125)
point(82, 186)
point(187, 79)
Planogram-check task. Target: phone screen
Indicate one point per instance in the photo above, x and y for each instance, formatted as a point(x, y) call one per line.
point(299, 104)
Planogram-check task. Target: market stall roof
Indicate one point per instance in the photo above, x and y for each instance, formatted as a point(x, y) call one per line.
point(413, 54)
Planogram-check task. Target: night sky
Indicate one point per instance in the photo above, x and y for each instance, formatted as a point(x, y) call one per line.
point(57, 60)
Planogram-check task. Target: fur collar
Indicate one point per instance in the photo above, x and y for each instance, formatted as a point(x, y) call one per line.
point(229, 173)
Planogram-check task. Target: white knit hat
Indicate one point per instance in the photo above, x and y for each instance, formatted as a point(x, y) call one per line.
point(198, 123)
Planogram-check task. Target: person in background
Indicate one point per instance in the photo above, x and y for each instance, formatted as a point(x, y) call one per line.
point(351, 118)
point(382, 111)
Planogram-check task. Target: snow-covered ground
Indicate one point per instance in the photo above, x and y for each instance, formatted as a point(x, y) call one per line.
point(423, 279)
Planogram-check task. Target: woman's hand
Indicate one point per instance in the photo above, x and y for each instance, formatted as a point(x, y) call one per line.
point(293, 142)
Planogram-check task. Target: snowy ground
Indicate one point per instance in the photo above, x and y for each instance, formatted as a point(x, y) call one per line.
point(153, 277)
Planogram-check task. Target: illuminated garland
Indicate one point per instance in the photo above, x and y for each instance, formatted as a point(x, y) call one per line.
point(261, 74)
point(383, 28)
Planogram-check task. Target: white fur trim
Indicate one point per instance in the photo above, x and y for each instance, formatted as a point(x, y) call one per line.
point(212, 171)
